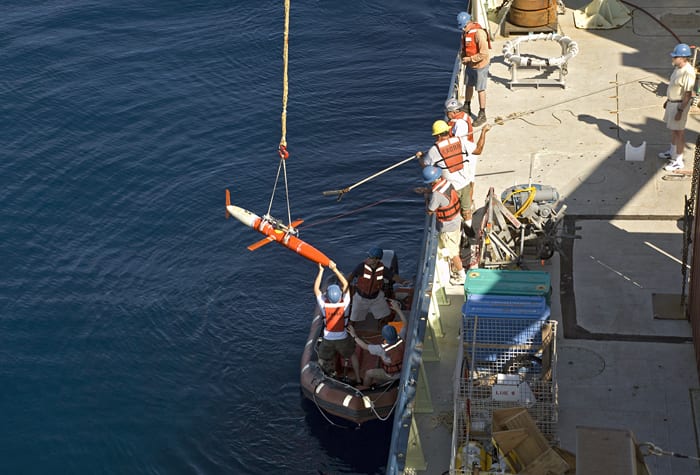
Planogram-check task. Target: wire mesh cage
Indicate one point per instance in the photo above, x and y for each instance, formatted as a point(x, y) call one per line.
point(506, 362)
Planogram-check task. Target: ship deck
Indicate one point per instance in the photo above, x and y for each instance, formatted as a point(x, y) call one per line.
point(625, 353)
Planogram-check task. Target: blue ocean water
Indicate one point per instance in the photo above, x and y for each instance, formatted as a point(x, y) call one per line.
point(137, 333)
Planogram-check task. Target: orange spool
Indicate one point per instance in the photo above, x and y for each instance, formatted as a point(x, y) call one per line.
point(533, 13)
point(531, 5)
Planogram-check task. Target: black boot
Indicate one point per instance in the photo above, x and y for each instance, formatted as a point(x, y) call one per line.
point(480, 119)
point(467, 108)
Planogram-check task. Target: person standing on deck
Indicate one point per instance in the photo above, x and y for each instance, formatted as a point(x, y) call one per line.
point(458, 120)
point(456, 157)
point(369, 296)
point(443, 200)
point(334, 306)
point(476, 58)
point(390, 351)
point(679, 95)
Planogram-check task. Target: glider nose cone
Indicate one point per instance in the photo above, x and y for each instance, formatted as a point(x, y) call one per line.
point(242, 215)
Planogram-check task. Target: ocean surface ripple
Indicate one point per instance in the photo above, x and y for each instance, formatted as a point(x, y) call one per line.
point(137, 333)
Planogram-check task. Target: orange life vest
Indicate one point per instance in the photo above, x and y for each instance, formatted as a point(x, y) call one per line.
point(450, 149)
point(395, 354)
point(469, 46)
point(446, 213)
point(371, 281)
point(335, 313)
point(467, 119)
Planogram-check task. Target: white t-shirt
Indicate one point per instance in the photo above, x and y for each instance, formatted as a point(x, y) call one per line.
point(321, 301)
point(682, 81)
point(438, 200)
point(460, 128)
point(464, 176)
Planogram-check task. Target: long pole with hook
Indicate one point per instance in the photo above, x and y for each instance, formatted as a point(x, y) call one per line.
point(341, 192)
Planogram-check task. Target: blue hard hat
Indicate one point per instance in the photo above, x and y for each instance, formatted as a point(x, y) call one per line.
point(389, 334)
point(376, 252)
point(334, 293)
point(430, 174)
point(462, 19)
point(681, 50)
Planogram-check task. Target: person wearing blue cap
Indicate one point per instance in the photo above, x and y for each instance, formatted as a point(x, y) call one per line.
point(443, 201)
point(476, 58)
point(679, 95)
point(334, 306)
point(369, 294)
point(390, 350)
point(456, 157)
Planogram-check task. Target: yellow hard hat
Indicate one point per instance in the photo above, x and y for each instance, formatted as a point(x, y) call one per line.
point(440, 127)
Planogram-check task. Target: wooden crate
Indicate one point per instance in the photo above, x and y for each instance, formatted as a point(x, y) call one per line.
point(523, 445)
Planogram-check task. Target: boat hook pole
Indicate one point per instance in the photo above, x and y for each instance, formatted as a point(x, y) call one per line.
point(341, 192)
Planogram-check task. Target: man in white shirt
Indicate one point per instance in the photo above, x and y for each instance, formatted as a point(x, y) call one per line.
point(679, 95)
point(456, 157)
point(334, 306)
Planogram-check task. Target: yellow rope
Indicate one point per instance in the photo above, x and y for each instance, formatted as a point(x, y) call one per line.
point(285, 56)
point(283, 140)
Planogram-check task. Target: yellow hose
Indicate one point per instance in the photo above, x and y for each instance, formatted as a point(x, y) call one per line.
point(531, 197)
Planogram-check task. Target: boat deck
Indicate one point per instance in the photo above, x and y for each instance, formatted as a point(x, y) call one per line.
point(626, 358)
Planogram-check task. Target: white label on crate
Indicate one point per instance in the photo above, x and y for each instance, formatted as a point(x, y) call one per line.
point(505, 392)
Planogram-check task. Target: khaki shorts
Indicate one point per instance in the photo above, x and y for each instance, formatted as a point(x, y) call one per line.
point(670, 114)
point(362, 306)
point(328, 348)
point(466, 199)
point(450, 241)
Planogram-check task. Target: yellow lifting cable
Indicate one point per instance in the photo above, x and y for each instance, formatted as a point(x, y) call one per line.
point(282, 149)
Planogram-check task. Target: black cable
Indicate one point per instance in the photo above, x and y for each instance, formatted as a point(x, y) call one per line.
point(653, 18)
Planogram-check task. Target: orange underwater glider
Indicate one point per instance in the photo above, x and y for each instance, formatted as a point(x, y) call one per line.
point(275, 231)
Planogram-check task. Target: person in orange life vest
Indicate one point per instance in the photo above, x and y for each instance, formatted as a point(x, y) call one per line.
point(460, 123)
point(334, 306)
point(369, 296)
point(475, 55)
point(457, 158)
point(442, 199)
point(390, 351)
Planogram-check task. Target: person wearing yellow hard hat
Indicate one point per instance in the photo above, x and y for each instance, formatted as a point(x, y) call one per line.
point(456, 157)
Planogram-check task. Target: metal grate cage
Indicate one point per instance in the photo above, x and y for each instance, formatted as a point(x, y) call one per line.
point(506, 362)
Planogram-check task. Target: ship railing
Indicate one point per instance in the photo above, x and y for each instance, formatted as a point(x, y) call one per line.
point(403, 414)
point(420, 308)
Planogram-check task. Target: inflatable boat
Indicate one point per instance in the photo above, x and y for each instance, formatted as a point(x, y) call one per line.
point(337, 392)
